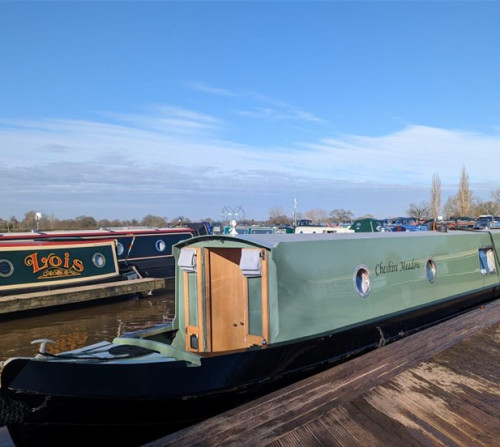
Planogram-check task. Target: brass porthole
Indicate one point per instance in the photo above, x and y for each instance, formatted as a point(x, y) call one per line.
point(6, 268)
point(160, 245)
point(99, 260)
point(119, 248)
point(362, 281)
point(430, 270)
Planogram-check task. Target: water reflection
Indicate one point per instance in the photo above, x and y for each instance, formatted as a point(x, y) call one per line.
point(72, 329)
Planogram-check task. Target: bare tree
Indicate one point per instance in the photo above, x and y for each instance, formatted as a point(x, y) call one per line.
point(464, 195)
point(85, 223)
point(496, 195)
point(154, 221)
point(419, 211)
point(13, 224)
point(341, 215)
point(276, 211)
point(29, 221)
point(450, 207)
point(317, 215)
point(277, 216)
point(488, 207)
point(435, 205)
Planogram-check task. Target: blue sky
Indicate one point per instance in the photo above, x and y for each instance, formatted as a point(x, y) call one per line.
point(119, 109)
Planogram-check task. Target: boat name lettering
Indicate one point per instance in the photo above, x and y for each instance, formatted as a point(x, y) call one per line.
point(53, 265)
point(391, 267)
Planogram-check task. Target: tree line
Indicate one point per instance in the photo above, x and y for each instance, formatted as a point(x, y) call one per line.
point(463, 204)
point(37, 221)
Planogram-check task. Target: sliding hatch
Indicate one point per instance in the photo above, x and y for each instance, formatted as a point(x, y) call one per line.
point(225, 298)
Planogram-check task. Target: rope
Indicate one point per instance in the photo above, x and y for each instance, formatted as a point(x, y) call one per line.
point(130, 248)
point(383, 340)
point(15, 412)
point(11, 411)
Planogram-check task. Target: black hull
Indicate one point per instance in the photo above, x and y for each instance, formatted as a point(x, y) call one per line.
point(150, 268)
point(144, 256)
point(138, 403)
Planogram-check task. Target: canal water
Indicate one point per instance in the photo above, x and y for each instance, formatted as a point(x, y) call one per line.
point(78, 327)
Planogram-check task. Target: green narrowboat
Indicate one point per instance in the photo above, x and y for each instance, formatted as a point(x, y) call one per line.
point(253, 313)
point(27, 266)
point(302, 285)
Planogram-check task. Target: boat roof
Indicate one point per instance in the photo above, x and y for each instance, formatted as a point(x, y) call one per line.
point(46, 243)
point(270, 241)
point(106, 232)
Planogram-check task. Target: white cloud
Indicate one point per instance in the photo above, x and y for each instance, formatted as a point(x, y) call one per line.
point(204, 88)
point(411, 155)
point(143, 161)
point(280, 110)
point(169, 119)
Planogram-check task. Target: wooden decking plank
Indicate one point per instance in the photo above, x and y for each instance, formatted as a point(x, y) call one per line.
point(439, 410)
point(475, 358)
point(357, 428)
point(473, 388)
point(386, 429)
point(309, 435)
point(282, 411)
point(391, 401)
point(489, 342)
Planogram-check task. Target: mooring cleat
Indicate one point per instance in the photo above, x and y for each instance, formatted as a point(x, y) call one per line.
point(42, 351)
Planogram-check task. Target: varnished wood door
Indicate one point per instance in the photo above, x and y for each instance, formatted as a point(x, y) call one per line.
point(228, 300)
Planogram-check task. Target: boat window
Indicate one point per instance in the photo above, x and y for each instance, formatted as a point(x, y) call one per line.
point(362, 281)
point(119, 248)
point(187, 260)
point(6, 268)
point(193, 299)
point(160, 245)
point(99, 260)
point(487, 260)
point(255, 306)
point(430, 270)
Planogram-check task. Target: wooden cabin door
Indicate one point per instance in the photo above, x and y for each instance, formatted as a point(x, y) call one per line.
point(228, 301)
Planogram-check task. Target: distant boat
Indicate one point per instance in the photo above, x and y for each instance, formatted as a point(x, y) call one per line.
point(456, 223)
point(368, 225)
point(487, 221)
point(253, 312)
point(405, 224)
point(27, 266)
point(320, 229)
point(256, 229)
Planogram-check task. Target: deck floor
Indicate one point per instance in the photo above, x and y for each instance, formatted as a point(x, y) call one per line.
point(438, 387)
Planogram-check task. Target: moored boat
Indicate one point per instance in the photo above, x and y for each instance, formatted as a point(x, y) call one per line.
point(27, 266)
point(487, 221)
point(405, 224)
point(140, 251)
point(253, 312)
point(320, 229)
point(368, 224)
